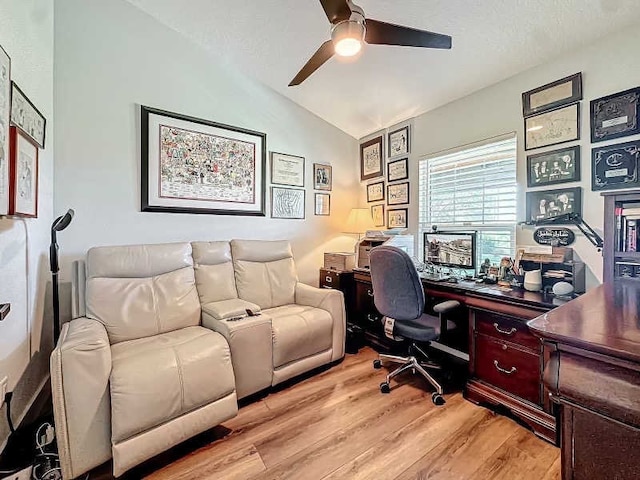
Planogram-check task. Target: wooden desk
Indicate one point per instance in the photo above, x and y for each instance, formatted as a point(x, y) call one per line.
point(594, 375)
point(505, 359)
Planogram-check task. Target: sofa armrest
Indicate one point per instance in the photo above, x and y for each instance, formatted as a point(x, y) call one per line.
point(333, 302)
point(80, 369)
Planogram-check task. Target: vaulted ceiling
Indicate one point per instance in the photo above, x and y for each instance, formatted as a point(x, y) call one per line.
point(270, 40)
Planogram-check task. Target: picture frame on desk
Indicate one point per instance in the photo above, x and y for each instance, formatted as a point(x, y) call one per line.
point(615, 116)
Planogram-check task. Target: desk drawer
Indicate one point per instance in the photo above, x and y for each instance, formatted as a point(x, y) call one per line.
point(329, 279)
point(506, 328)
point(513, 370)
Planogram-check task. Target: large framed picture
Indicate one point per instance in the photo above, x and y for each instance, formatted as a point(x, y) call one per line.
point(553, 127)
point(377, 213)
point(552, 95)
point(398, 142)
point(558, 166)
point(545, 204)
point(287, 169)
point(322, 204)
point(615, 116)
point(5, 119)
point(398, 194)
point(397, 218)
point(287, 203)
point(322, 177)
point(26, 116)
point(371, 159)
point(615, 166)
point(191, 165)
point(398, 170)
point(375, 192)
point(23, 173)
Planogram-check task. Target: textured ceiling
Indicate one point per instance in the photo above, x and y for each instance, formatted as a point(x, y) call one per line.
point(492, 40)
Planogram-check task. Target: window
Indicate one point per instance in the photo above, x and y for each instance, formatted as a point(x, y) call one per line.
point(473, 188)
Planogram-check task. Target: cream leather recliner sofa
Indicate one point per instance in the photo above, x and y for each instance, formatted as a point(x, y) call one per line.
point(160, 354)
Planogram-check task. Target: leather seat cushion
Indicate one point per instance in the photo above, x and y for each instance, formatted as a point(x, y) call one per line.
point(229, 308)
point(156, 379)
point(298, 332)
point(423, 329)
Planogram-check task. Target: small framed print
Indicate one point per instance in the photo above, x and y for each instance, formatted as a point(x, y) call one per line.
point(553, 127)
point(26, 116)
point(552, 95)
point(287, 203)
point(377, 213)
point(615, 116)
point(23, 173)
point(398, 170)
point(5, 119)
point(287, 170)
point(375, 192)
point(398, 194)
point(558, 166)
point(322, 177)
point(398, 142)
point(323, 204)
point(371, 159)
point(615, 166)
point(545, 204)
point(397, 218)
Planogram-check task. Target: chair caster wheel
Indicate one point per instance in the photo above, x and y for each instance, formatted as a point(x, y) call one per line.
point(436, 398)
point(384, 387)
point(377, 364)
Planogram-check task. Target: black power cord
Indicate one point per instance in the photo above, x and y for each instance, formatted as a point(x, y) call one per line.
point(7, 399)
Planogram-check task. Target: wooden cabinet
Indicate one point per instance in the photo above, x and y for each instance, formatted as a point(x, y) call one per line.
point(621, 256)
point(343, 281)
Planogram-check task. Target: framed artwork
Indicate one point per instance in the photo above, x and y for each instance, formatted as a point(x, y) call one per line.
point(287, 169)
point(287, 203)
point(23, 173)
point(371, 159)
point(375, 192)
point(545, 204)
point(397, 218)
point(553, 127)
point(26, 116)
point(558, 166)
point(398, 142)
point(398, 170)
point(5, 119)
point(377, 213)
point(615, 116)
point(323, 204)
point(398, 194)
point(190, 165)
point(552, 95)
point(322, 179)
point(615, 166)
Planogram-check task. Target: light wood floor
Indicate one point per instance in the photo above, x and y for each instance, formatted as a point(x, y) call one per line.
point(337, 425)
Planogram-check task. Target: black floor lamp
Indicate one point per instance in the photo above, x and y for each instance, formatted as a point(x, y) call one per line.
point(58, 225)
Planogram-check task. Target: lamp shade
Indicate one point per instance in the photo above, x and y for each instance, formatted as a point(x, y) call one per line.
point(359, 221)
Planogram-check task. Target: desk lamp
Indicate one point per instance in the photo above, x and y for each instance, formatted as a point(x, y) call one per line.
point(358, 222)
point(574, 219)
point(58, 225)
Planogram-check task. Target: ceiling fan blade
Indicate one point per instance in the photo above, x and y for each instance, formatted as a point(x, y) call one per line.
point(383, 33)
point(324, 53)
point(336, 10)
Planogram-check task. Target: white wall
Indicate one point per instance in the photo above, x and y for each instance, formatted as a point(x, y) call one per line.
point(608, 66)
point(26, 33)
point(110, 58)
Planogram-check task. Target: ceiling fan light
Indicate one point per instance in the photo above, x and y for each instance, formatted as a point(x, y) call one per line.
point(348, 47)
point(347, 37)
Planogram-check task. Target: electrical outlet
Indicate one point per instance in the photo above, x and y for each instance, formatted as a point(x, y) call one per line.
point(3, 390)
point(21, 475)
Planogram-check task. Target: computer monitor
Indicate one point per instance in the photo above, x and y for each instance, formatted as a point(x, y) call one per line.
point(451, 249)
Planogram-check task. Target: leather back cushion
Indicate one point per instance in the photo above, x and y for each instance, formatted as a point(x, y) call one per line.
point(214, 271)
point(265, 272)
point(142, 291)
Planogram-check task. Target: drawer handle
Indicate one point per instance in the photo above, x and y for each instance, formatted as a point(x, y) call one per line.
point(505, 332)
point(504, 370)
point(371, 318)
point(370, 292)
point(328, 280)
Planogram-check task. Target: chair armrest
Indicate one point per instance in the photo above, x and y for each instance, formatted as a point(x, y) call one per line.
point(80, 370)
point(444, 307)
point(333, 302)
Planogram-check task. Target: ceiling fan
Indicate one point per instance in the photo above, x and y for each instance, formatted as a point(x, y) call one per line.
point(349, 29)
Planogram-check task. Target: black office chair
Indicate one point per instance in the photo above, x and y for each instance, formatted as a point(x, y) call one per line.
point(398, 294)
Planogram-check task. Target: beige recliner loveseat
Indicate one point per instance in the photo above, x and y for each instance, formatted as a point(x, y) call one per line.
point(161, 353)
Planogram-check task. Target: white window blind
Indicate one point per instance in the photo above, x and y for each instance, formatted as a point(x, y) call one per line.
point(473, 188)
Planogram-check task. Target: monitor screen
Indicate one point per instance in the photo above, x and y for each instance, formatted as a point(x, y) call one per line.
point(451, 249)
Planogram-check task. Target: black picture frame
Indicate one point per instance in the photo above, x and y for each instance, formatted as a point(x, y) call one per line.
point(398, 142)
point(5, 133)
point(554, 203)
point(322, 177)
point(405, 199)
point(316, 210)
point(26, 116)
point(286, 210)
point(399, 162)
point(549, 122)
point(401, 214)
point(551, 104)
point(368, 152)
point(375, 207)
point(147, 204)
point(370, 198)
point(620, 112)
point(615, 166)
point(278, 157)
point(554, 167)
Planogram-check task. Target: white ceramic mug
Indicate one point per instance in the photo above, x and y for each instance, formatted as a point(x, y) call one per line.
point(533, 280)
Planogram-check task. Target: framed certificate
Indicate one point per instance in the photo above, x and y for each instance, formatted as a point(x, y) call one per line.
point(615, 116)
point(287, 169)
point(615, 166)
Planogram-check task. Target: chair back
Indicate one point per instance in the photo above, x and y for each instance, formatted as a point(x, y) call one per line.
point(397, 289)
